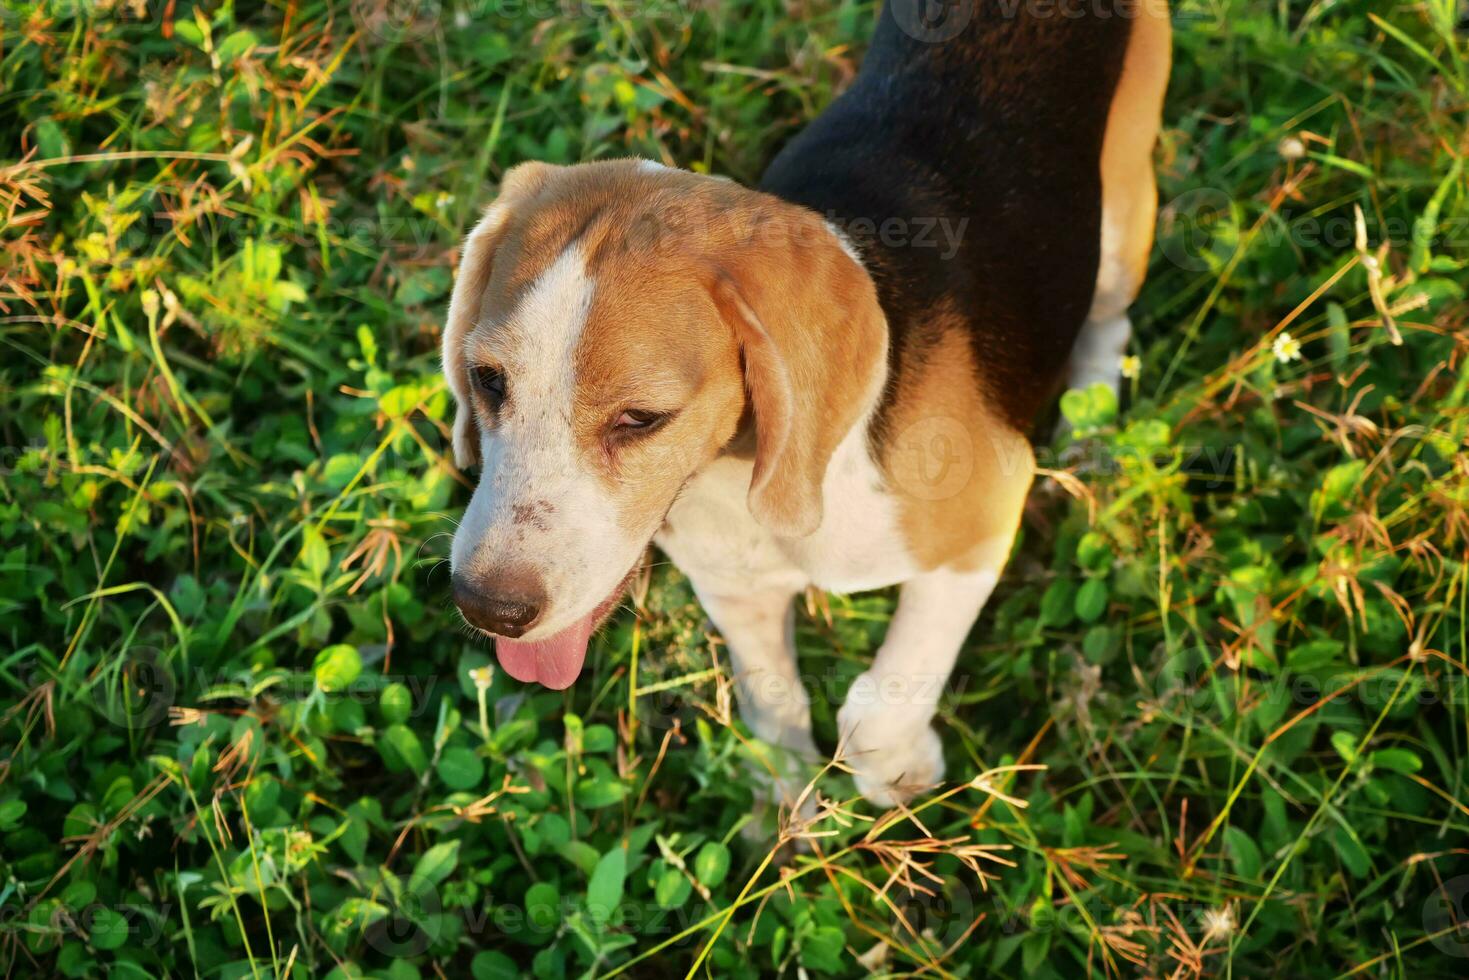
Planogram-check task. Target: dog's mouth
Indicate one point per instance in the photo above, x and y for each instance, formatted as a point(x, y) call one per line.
point(556, 661)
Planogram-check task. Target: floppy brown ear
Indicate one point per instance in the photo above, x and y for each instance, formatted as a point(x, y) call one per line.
point(814, 342)
point(476, 262)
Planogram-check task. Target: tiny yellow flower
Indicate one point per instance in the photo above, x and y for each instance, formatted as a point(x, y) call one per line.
point(483, 677)
point(1132, 366)
point(1286, 348)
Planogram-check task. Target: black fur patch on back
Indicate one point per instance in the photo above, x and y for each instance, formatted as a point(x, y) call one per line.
point(996, 132)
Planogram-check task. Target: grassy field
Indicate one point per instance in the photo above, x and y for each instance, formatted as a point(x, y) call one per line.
point(243, 735)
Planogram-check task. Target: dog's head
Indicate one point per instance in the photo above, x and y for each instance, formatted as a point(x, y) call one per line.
point(614, 327)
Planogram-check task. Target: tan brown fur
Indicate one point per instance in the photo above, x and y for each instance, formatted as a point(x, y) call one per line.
point(693, 277)
point(1129, 187)
point(960, 475)
point(815, 345)
point(653, 341)
point(942, 428)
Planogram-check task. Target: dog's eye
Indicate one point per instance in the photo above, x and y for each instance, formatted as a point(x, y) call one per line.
point(636, 418)
point(492, 382)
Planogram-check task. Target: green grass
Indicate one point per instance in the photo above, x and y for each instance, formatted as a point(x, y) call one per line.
point(241, 733)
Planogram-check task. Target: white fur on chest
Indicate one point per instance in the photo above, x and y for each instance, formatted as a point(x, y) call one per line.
point(711, 535)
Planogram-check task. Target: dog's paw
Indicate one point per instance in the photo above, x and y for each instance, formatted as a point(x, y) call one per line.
point(893, 755)
point(890, 774)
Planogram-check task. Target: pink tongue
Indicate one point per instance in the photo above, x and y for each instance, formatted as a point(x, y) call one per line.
point(555, 661)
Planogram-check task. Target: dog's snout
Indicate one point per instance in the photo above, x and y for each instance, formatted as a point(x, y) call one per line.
point(505, 606)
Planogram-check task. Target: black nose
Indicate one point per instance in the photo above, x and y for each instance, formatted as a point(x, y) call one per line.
point(504, 605)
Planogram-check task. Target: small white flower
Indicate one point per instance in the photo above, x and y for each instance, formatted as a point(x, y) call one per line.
point(483, 677)
point(444, 200)
point(1218, 923)
point(1291, 148)
point(1132, 366)
point(1286, 348)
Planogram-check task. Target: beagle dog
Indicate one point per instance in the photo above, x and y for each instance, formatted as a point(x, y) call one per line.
point(785, 387)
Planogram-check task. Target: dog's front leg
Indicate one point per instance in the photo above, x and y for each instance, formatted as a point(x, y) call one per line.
point(887, 738)
point(758, 627)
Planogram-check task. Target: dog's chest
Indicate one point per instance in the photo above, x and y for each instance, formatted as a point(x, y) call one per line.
point(711, 535)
